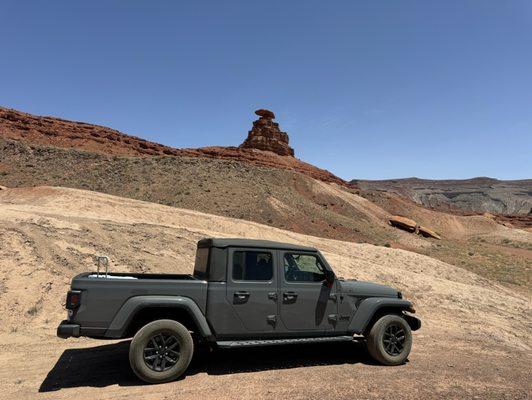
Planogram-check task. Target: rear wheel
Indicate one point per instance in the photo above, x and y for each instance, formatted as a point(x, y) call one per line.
point(390, 340)
point(161, 351)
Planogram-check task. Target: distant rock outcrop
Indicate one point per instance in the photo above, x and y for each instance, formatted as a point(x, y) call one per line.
point(403, 223)
point(266, 135)
point(426, 232)
point(412, 226)
point(476, 195)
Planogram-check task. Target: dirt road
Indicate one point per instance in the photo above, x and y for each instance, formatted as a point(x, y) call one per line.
point(445, 368)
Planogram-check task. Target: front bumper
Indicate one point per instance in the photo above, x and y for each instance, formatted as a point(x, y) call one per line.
point(67, 329)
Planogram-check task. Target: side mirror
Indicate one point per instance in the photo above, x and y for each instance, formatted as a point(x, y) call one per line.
point(329, 277)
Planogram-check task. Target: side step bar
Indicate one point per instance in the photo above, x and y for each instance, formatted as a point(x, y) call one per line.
point(225, 344)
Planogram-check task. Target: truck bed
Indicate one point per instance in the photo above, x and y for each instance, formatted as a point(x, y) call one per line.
point(103, 295)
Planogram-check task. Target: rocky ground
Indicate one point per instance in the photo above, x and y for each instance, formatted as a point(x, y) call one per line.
point(475, 341)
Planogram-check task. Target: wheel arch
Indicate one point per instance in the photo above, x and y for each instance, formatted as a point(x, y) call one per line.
point(373, 308)
point(140, 310)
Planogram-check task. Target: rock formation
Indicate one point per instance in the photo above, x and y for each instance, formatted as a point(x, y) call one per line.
point(20, 128)
point(427, 232)
point(403, 223)
point(266, 135)
point(476, 195)
point(410, 225)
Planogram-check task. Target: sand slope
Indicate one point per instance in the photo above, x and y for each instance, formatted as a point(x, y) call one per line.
point(276, 197)
point(49, 234)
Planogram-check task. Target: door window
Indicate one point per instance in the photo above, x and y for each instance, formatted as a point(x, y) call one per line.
point(252, 266)
point(303, 268)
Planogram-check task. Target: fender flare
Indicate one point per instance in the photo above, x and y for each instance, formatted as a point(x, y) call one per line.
point(369, 307)
point(133, 305)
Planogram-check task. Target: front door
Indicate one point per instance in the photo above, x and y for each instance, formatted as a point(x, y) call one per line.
point(306, 304)
point(252, 288)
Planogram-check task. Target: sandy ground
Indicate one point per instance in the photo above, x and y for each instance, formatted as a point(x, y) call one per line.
point(475, 341)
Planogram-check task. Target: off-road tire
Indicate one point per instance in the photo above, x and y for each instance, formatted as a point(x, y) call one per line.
point(142, 340)
point(375, 340)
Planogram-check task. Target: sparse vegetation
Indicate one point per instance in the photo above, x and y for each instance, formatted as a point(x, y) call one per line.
point(32, 311)
point(265, 195)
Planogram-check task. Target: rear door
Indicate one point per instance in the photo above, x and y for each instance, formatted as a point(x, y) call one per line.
point(252, 287)
point(305, 301)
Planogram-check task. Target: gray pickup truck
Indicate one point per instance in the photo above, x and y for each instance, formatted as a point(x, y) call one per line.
point(243, 293)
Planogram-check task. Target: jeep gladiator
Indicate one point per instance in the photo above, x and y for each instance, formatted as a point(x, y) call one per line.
point(242, 293)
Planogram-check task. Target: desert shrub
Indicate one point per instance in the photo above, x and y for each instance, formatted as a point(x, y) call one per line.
point(33, 310)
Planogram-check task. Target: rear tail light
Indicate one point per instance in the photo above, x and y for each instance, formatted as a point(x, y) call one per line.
point(73, 299)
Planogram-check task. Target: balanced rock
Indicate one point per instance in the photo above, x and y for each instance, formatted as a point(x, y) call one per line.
point(265, 113)
point(266, 135)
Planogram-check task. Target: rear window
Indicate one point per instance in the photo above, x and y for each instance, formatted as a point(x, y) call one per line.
point(202, 261)
point(252, 266)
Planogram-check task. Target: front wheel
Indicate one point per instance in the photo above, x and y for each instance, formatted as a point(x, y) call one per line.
point(390, 340)
point(161, 351)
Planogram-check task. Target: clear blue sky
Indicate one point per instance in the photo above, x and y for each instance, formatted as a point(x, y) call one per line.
point(374, 89)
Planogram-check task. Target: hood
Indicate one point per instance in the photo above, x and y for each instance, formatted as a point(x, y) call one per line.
point(367, 289)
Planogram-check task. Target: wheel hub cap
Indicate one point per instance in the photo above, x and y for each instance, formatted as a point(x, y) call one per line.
point(161, 352)
point(393, 339)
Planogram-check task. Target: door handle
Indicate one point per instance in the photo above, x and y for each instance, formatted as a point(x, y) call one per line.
point(289, 296)
point(240, 297)
point(272, 296)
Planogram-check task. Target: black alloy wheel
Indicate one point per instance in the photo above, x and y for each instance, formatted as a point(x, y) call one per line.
point(393, 339)
point(389, 340)
point(161, 352)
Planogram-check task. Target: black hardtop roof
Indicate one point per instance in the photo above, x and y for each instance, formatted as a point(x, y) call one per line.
point(237, 242)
